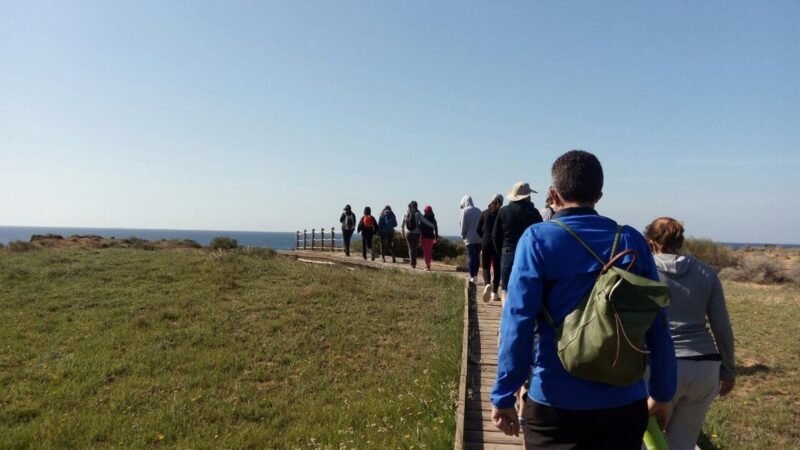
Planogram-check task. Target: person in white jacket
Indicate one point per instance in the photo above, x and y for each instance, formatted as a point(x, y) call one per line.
point(468, 219)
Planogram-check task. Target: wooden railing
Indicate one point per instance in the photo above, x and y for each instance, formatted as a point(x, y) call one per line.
point(319, 241)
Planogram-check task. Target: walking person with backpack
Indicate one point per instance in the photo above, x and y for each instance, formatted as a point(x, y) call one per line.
point(367, 226)
point(705, 365)
point(411, 232)
point(581, 395)
point(386, 225)
point(468, 218)
point(512, 220)
point(348, 221)
point(429, 234)
point(490, 259)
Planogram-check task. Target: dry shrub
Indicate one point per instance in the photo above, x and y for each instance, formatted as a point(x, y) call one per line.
point(757, 269)
point(716, 255)
point(22, 246)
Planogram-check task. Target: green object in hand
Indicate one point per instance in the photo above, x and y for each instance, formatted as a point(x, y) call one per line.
point(653, 437)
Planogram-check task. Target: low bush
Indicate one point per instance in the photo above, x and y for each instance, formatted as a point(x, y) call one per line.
point(259, 252)
point(443, 249)
point(139, 243)
point(21, 246)
point(757, 269)
point(223, 243)
point(716, 255)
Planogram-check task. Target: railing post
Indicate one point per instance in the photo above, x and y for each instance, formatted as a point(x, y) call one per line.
point(313, 237)
point(322, 239)
point(333, 241)
point(305, 238)
point(297, 240)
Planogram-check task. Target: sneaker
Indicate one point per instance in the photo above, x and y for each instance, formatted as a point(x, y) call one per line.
point(495, 297)
point(471, 280)
point(487, 292)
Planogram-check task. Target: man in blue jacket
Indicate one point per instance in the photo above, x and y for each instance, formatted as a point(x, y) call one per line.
point(552, 268)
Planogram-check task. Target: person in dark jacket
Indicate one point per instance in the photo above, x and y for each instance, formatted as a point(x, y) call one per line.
point(428, 235)
point(490, 259)
point(410, 230)
point(348, 221)
point(367, 226)
point(386, 225)
point(512, 220)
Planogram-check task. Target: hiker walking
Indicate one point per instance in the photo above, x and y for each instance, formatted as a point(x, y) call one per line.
point(348, 221)
point(512, 220)
point(367, 226)
point(386, 225)
point(429, 234)
point(490, 259)
point(410, 230)
point(468, 218)
point(552, 275)
point(705, 365)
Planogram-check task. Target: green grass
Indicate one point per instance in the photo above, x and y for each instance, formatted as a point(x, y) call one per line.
point(191, 349)
point(763, 411)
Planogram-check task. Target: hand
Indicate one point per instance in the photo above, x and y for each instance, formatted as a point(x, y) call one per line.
point(726, 386)
point(506, 420)
point(662, 411)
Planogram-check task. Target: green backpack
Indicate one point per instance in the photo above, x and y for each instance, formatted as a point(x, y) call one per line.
point(603, 338)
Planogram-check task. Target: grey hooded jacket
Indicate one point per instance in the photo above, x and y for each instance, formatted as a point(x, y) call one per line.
point(696, 297)
point(468, 219)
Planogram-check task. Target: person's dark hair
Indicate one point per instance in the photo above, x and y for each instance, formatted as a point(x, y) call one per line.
point(667, 233)
point(367, 210)
point(412, 205)
point(387, 208)
point(347, 207)
point(578, 176)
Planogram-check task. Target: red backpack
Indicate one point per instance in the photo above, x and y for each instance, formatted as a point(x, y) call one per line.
point(369, 222)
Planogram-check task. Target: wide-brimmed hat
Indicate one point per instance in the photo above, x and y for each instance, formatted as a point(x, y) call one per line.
point(520, 190)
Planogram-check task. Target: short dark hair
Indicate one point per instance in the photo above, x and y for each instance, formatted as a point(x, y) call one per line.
point(578, 176)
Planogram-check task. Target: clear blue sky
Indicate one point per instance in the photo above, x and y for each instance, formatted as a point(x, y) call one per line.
point(270, 116)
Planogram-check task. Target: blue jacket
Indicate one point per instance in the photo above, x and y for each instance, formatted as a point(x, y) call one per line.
point(550, 260)
point(387, 223)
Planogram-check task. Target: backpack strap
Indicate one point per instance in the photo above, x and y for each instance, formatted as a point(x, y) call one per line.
point(586, 246)
point(612, 259)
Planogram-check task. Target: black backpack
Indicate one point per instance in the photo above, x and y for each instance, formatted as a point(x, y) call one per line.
point(411, 221)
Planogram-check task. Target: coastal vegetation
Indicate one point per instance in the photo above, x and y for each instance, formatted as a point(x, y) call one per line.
point(193, 348)
point(161, 344)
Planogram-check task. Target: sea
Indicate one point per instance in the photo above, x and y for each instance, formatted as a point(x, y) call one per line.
point(278, 240)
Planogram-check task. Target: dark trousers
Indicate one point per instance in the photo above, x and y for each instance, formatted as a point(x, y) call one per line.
point(620, 428)
point(506, 263)
point(473, 259)
point(347, 234)
point(490, 261)
point(387, 244)
point(366, 238)
point(413, 242)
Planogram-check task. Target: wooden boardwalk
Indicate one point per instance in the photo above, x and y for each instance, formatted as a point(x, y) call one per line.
point(474, 429)
point(478, 430)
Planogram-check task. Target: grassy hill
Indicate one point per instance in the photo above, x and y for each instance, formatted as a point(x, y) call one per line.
point(195, 349)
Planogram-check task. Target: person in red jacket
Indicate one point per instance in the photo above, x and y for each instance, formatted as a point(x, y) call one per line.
point(367, 226)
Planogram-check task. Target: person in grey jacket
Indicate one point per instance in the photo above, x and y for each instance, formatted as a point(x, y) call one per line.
point(705, 365)
point(411, 232)
point(468, 219)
